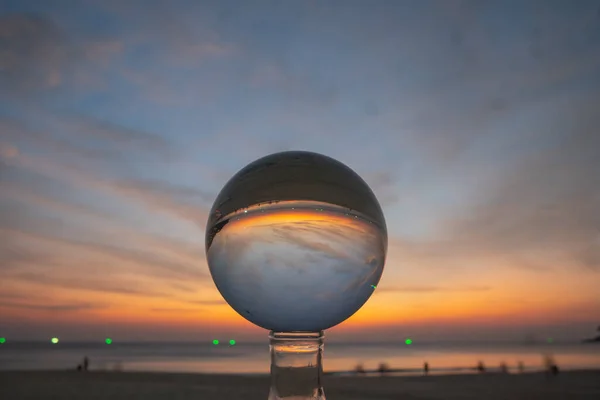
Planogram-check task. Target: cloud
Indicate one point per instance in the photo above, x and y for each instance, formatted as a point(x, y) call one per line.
point(182, 40)
point(53, 307)
point(92, 239)
point(308, 236)
point(384, 185)
point(157, 186)
point(36, 55)
point(122, 140)
point(316, 239)
point(431, 289)
point(83, 137)
point(295, 88)
point(175, 248)
point(538, 210)
point(90, 151)
point(174, 51)
point(177, 310)
point(96, 284)
point(17, 133)
point(33, 53)
point(144, 261)
point(8, 151)
point(184, 202)
point(51, 276)
point(166, 202)
point(208, 302)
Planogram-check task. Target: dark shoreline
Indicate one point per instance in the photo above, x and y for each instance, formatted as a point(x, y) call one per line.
point(100, 385)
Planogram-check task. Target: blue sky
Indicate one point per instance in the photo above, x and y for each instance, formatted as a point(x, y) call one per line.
point(475, 123)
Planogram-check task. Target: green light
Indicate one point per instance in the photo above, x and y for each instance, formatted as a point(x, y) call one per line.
point(54, 340)
point(374, 286)
point(2, 340)
point(232, 342)
point(408, 341)
point(108, 340)
point(216, 342)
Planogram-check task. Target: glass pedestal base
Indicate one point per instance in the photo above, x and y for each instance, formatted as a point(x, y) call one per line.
point(296, 366)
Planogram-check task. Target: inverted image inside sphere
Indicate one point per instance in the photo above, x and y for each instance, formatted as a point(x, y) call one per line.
point(296, 241)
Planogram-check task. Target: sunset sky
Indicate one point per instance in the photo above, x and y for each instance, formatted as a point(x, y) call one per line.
point(476, 124)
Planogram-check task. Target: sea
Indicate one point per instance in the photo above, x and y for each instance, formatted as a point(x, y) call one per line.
point(253, 358)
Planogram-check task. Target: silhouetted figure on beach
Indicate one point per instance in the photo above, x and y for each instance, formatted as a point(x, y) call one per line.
point(503, 368)
point(521, 367)
point(425, 368)
point(480, 367)
point(359, 369)
point(86, 363)
point(551, 366)
point(383, 368)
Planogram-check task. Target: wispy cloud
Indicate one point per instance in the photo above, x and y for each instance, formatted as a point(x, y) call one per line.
point(34, 53)
point(37, 54)
point(154, 199)
point(539, 211)
point(208, 302)
point(123, 141)
point(184, 202)
point(430, 289)
point(143, 261)
point(174, 248)
point(177, 310)
point(175, 35)
point(54, 307)
point(83, 137)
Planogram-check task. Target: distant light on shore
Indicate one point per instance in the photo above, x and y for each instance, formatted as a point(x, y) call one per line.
point(2, 340)
point(232, 342)
point(108, 340)
point(408, 341)
point(54, 340)
point(216, 342)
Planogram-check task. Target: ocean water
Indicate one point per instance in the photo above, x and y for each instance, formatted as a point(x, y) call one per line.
point(253, 358)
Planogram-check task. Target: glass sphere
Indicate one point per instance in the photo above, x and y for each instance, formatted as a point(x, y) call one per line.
point(296, 242)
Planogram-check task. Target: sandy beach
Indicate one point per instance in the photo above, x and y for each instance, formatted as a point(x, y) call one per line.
point(571, 385)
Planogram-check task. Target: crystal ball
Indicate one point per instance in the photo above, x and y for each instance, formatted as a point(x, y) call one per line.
point(296, 242)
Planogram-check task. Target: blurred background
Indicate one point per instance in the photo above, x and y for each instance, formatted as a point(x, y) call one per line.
point(474, 122)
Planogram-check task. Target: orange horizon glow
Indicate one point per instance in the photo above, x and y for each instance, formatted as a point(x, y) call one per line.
point(387, 308)
point(255, 216)
point(382, 311)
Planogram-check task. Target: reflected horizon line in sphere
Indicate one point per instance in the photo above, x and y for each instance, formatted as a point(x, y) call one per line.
point(296, 242)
